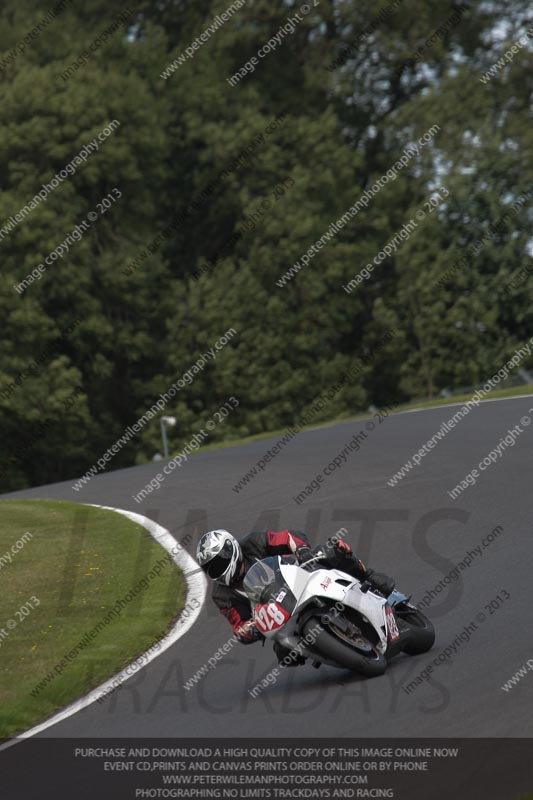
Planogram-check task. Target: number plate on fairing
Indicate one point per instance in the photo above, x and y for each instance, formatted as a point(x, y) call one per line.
point(270, 616)
point(392, 628)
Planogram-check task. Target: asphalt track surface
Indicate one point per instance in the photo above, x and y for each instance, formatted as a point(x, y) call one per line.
point(413, 531)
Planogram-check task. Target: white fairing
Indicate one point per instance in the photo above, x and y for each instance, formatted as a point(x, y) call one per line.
point(331, 585)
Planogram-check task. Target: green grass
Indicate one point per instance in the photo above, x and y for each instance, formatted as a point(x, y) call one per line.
point(78, 563)
point(461, 398)
point(440, 401)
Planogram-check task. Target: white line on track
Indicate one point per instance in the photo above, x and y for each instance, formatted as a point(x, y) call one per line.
point(196, 589)
point(463, 402)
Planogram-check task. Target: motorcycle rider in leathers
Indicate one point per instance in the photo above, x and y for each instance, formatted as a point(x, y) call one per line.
point(226, 561)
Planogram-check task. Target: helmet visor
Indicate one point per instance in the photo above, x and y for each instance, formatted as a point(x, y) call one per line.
point(219, 564)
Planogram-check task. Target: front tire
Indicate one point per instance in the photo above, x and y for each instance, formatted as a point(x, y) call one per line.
point(421, 635)
point(330, 647)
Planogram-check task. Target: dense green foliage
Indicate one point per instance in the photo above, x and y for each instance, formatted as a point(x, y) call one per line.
point(192, 248)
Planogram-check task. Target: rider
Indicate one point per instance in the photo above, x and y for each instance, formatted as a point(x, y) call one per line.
point(226, 561)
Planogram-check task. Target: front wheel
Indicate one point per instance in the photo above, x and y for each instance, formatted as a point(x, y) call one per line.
point(421, 634)
point(329, 646)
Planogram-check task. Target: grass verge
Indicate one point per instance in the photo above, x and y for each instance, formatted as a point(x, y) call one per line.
point(63, 566)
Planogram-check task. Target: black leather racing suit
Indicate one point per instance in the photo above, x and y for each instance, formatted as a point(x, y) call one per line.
point(261, 544)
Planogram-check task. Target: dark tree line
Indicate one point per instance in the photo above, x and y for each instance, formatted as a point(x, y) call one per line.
point(217, 203)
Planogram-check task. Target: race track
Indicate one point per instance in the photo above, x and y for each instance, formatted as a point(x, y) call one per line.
point(413, 531)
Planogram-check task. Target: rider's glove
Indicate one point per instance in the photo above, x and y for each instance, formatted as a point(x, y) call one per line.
point(248, 633)
point(343, 557)
point(256, 634)
point(340, 544)
point(303, 553)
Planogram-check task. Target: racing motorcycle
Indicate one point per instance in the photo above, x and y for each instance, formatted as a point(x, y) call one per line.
point(332, 618)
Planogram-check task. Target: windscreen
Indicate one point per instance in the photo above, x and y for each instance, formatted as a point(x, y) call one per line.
point(264, 580)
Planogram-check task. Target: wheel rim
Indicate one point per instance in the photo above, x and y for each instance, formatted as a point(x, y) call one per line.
point(355, 640)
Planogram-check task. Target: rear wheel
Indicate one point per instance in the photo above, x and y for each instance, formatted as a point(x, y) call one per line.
point(335, 646)
point(421, 635)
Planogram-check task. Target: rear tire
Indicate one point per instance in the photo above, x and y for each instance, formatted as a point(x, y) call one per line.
point(421, 632)
point(327, 645)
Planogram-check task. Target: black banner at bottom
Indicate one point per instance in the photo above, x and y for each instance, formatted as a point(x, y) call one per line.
point(295, 769)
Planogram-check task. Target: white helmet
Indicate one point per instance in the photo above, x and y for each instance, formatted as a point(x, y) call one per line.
point(220, 556)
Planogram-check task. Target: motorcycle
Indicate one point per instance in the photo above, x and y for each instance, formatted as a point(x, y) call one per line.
point(332, 618)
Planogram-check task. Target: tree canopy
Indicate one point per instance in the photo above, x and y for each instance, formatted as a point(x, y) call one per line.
point(199, 195)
